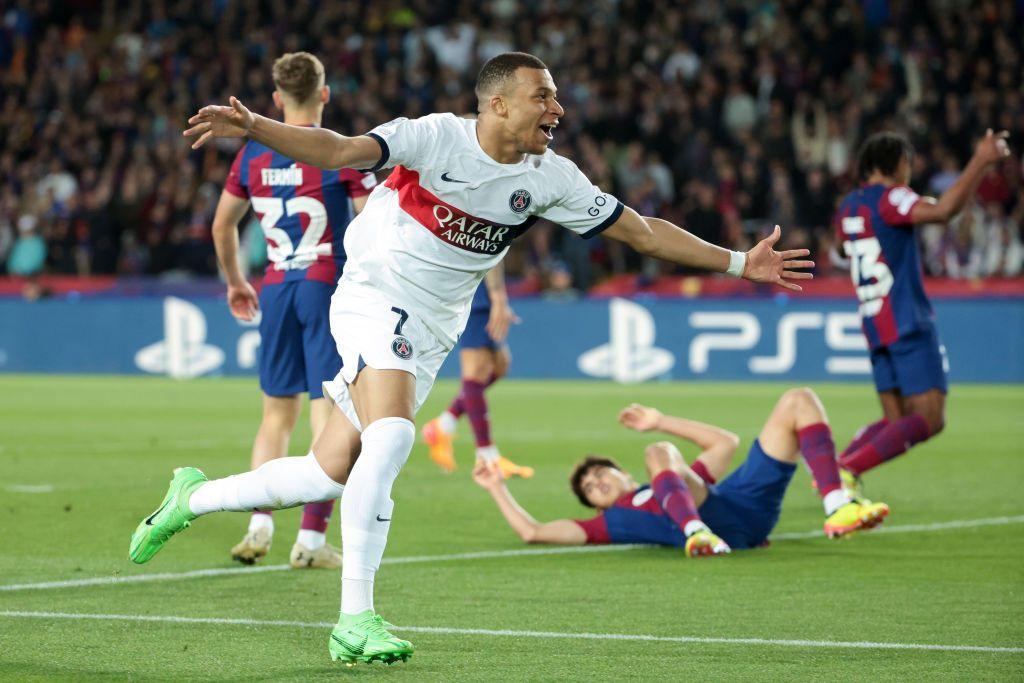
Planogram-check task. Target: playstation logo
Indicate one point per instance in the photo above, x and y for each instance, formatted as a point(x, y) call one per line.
point(631, 355)
point(183, 353)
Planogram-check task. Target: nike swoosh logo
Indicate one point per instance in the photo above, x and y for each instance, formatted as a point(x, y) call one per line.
point(358, 650)
point(149, 522)
point(444, 177)
point(388, 519)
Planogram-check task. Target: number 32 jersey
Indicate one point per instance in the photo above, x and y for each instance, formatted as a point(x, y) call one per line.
point(448, 213)
point(303, 211)
point(876, 231)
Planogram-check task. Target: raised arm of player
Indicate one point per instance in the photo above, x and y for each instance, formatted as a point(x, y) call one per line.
point(990, 149)
point(309, 145)
point(717, 445)
point(242, 298)
point(561, 531)
point(502, 316)
point(661, 239)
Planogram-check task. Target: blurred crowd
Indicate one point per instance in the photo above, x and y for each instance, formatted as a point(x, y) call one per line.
point(725, 116)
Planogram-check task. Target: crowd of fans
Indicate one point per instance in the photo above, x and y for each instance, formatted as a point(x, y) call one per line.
point(725, 117)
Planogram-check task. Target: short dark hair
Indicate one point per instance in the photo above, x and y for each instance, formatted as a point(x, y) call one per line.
point(882, 152)
point(588, 463)
point(500, 68)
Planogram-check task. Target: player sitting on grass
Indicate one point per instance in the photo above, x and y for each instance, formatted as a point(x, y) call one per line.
point(683, 506)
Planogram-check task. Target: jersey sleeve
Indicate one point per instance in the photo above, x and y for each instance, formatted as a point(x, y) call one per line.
point(233, 183)
point(896, 205)
point(404, 141)
point(582, 206)
point(357, 183)
point(595, 528)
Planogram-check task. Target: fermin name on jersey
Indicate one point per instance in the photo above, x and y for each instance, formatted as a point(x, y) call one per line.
point(282, 176)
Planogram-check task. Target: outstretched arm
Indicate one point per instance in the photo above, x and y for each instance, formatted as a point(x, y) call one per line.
point(315, 146)
point(661, 239)
point(717, 445)
point(991, 149)
point(561, 531)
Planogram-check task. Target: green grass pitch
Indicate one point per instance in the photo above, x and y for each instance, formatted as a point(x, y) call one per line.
point(82, 459)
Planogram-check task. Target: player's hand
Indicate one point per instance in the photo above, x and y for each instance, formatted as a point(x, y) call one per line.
point(243, 301)
point(641, 418)
point(501, 318)
point(764, 264)
point(215, 121)
point(487, 475)
point(993, 147)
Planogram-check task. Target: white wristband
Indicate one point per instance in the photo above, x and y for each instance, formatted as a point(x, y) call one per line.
point(737, 262)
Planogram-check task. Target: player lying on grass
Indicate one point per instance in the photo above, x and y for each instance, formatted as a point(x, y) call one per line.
point(683, 506)
point(460, 192)
point(875, 224)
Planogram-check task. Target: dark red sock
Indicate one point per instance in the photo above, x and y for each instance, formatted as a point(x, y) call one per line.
point(863, 435)
point(889, 442)
point(315, 516)
point(458, 406)
point(674, 498)
point(702, 471)
point(819, 452)
point(476, 410)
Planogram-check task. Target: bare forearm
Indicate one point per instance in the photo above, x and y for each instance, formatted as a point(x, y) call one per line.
point(225, 243)
point(519, 519)
point(314, 146)
point(494, 281)
point(954, 199)
point(671, 243)
point(704, 435)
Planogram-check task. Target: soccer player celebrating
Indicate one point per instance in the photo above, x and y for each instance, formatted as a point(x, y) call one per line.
point(303, 211)
point(875, 225)
point(460, 191)
point(683, 506)
point(484, 359)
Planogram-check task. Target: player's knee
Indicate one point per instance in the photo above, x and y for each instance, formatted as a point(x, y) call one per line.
point(796, 400)
point(658, 456)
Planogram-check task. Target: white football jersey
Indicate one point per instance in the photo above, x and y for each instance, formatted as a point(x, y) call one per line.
point(448, 213)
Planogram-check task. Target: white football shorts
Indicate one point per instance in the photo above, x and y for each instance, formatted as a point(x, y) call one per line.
point(371, 331)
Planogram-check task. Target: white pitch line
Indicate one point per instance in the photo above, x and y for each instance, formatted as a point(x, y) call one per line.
point(481, 555)
point(440, 630)
point(29, 488)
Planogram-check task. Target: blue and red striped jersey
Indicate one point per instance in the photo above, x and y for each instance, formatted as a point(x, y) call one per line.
point(303, 211)
point(875, 228)
point(636, 517)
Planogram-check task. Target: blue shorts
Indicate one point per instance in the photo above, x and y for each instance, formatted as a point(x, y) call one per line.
point(911, 365)
point(475, 335)
point(744, 507)
point(297, 351)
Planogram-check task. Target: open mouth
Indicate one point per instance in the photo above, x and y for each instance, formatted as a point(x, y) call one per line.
point(547, 130)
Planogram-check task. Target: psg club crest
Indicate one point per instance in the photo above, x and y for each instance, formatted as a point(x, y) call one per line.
point(520, 201)
point(402, 347)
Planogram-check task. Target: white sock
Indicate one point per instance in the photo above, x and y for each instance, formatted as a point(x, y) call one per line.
point(258, 521)
point(835, 499)
point(448, 422)
point(366, 507)
point(488, 453)
point(311, 538)
point(693, 526)
point(279, 483)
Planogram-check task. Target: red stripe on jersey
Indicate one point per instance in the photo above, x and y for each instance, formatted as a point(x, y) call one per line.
point(885, 320)
point(324, 269)
point(447, 222)
point(233, 183)
point(355, 182)
point(595, 528)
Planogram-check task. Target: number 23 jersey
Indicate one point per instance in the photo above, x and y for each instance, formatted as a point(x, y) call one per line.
point(874, 226)
point(448, 213)
point(303, 211)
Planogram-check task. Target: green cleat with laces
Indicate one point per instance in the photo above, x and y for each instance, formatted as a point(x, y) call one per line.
point(172, 516)
point(364, 637)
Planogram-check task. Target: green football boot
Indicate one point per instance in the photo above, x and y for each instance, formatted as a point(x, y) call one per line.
point(852, 484)
point(172, 516)
point(364, 637)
